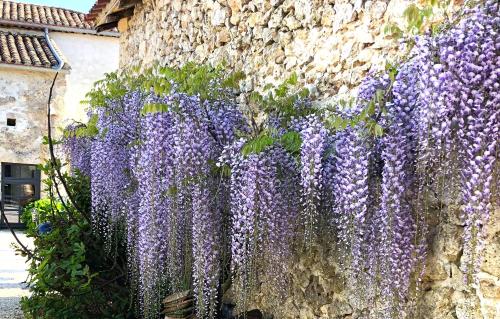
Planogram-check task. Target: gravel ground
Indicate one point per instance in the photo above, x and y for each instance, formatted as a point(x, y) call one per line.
point(12, 274)
point(9, 308)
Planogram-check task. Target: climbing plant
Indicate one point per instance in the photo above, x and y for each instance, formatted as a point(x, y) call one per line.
point(213, 193)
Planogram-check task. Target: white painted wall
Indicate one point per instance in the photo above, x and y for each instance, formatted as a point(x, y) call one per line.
point(23, 94)
point(89, 57)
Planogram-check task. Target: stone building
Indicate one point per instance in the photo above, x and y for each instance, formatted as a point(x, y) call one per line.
point(331, 45)
point(35, 43)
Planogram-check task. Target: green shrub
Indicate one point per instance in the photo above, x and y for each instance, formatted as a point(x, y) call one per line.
point(71, 272)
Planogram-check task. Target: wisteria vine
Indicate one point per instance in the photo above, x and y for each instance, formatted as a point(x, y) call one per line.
point(207, 192)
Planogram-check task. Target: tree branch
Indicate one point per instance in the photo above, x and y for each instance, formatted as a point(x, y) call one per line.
point(23, 247)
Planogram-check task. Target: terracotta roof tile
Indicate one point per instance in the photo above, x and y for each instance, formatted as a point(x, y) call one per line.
point(50, 16)
point(25, 49)
point(96, 9)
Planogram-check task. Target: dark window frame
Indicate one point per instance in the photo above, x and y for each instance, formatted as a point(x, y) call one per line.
point(11, 122)
point(34, 180)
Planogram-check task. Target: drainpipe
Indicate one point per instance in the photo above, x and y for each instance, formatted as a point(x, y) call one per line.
point(60, 62)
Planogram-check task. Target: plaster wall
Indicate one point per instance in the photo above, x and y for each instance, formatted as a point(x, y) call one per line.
point(23, 97)
point(90, 57)
point(24, 93)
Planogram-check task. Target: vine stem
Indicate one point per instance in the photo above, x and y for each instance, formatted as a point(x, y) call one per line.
point(23, 247)
point(53, 160)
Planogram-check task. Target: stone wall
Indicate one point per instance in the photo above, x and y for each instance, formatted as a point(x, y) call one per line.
point(319, 287)
point(23, 96)
point(330, 45)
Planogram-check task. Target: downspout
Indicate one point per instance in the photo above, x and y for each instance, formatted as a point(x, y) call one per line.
point(60, 62)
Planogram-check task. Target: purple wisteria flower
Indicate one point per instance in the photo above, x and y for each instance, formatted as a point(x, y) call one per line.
point(197, 208)
point(77, 149)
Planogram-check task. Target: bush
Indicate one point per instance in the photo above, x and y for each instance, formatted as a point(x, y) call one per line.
point(71, 274)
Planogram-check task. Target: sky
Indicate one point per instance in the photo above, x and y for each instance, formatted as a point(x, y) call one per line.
point(78, 5)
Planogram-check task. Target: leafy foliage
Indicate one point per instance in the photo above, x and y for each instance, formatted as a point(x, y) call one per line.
point(70, 275)
point(205, 81)
point(258, 144)
point(420, 18)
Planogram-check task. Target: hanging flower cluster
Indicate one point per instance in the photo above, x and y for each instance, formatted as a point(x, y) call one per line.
point(314, 145)
point(77, 148)
point(181, 208)
point(264, 208)
point(207, 192)
point(460, 115)
point(356, 179)
point(117, 126)
point(398, 224)
point(440, 120)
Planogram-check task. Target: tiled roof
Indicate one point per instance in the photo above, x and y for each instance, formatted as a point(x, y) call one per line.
point(96, 9)
point(25, 49)
point(105, 14)
point(42, 15)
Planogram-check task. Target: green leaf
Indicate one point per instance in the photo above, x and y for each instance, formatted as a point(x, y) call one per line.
point(154, 108)
point(267, 87)
point(234, 80)
point(378, 130)
point(255, 97)
point(293, 79)
point(291, 141)
point(172, 191)
point(257, 145)
point(226, 170)
point(379, 97)
point(411, 13)
point(304, 93)
point(393, 30)
point(427, 12)
point(43, 264)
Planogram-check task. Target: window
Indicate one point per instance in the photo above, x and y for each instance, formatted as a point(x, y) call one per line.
point(18, 194)
point(11, 122)
point(19, 171)
point(20, 184)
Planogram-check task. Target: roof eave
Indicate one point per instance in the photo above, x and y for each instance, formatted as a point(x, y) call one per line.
point(41, 26)
point(23, 67)
point(106, 17)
